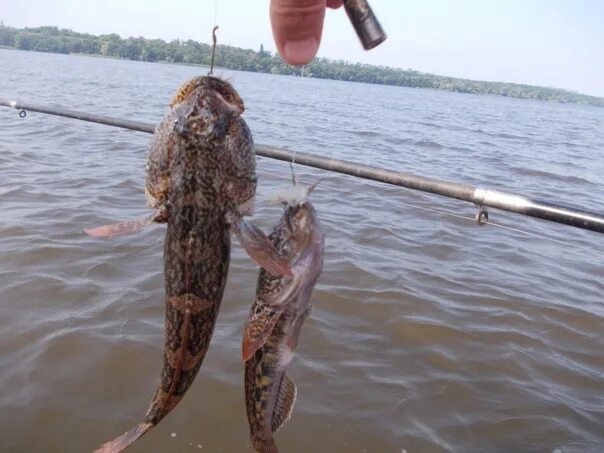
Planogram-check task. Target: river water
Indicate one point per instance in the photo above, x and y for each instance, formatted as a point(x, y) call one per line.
point(429, 334)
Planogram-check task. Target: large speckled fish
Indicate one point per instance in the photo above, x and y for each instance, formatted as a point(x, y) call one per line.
point(200, 178)
point(282, 305)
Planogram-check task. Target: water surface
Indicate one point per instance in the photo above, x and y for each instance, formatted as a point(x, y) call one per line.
point(429, 333)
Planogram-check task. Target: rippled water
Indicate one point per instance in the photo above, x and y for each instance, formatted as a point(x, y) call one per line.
point(429, 333)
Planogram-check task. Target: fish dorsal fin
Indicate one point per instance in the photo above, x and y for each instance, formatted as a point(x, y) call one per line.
point(284, 404)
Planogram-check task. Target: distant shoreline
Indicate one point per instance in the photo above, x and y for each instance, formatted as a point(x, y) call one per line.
point(193, 53)
point(107, 57)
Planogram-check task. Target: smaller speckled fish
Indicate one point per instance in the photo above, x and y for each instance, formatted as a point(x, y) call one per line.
point(282, 305)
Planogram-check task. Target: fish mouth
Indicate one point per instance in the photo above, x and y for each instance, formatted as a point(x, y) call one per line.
point(183, 111)
point(180, 124)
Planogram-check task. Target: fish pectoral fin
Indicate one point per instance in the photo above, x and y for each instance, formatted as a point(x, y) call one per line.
point(251, 343)
point(263, 320)
point(126, 227)
point(284, 404)
point(258, 330)
point(259, 247)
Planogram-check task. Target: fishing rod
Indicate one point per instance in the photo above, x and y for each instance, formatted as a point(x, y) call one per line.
point(481, 196)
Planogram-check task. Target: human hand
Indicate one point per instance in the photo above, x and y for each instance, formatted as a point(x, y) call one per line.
point(297, 27)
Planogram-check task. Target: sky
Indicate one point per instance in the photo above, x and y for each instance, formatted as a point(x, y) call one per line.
point(555, 43)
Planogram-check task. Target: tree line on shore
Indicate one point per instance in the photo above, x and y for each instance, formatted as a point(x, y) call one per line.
point(55, 40)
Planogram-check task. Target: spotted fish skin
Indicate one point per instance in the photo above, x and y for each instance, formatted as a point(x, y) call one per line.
point(281, 306)
point(200, 170)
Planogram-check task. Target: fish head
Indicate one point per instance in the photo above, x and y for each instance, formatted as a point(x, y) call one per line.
point(299, 218)
point(212, 135)
point(204, 107)
point(300, 222)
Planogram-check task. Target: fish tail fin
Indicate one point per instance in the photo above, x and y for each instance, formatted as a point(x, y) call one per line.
point(265, 446)
point(125, 440)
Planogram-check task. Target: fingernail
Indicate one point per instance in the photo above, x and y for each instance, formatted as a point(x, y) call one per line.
point(300, 52)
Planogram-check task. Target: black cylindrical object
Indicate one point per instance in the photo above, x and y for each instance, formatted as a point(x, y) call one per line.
point(365, 23)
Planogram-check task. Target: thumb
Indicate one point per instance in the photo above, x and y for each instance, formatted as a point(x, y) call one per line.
point(297, 27)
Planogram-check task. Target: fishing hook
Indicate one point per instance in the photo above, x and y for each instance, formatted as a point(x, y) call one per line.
point(213, 47)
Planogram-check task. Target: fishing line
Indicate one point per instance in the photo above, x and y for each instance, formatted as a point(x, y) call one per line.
point(473, 220)
point(214, 37)
point(213, 48)
point(505, 227)
point(489, 222)
point(215, 11)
